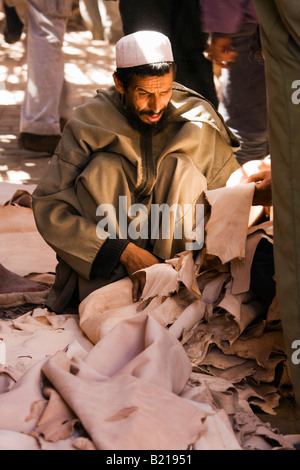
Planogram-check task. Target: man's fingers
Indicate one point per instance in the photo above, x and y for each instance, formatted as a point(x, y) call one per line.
point(135, 291)
point(254, 178)
point(138, 284)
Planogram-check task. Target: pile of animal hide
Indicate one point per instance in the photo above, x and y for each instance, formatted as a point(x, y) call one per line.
point(181, 369)
point(203, 298)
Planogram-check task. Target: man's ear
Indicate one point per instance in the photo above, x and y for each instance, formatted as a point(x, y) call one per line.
point(119, 84)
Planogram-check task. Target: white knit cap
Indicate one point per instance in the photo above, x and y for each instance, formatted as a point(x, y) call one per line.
point(143, 47)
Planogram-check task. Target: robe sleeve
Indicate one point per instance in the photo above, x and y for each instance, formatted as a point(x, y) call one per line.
point(57, 209)
point(59, 218)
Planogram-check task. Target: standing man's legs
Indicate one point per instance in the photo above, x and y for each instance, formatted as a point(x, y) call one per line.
point(243, 104)
point(40, 117)
point(111, 20)
point(280, 34)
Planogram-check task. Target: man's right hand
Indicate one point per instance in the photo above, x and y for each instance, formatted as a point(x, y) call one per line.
point(220, 52)
point(134, 259)
point(263, 188)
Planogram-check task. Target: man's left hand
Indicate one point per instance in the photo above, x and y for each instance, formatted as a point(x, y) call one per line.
point(134, 259)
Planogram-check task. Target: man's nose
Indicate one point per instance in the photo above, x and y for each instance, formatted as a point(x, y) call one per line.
point(155, 104)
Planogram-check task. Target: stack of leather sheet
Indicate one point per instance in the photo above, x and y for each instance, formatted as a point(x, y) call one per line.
point(184, 366)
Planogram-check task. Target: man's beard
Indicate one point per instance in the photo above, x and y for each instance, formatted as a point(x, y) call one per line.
point(142, 126)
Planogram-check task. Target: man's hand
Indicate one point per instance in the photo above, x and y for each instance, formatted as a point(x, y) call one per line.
point(263, 188)
point(135, 258)
point(220, 52)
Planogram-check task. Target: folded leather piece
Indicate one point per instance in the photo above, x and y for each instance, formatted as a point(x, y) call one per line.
point(226, 229)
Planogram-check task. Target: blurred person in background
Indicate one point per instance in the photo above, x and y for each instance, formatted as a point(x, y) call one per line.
point(102, 18)
point(45, 106)
point(232, 25)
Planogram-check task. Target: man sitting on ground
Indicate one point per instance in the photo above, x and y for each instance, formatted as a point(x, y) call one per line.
point(145, 142)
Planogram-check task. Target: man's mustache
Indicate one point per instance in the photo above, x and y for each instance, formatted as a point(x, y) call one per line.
point(152, 113)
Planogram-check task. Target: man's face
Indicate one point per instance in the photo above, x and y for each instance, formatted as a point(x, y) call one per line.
point(148, 97)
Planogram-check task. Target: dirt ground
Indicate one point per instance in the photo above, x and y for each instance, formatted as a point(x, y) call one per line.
point(88, 65)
